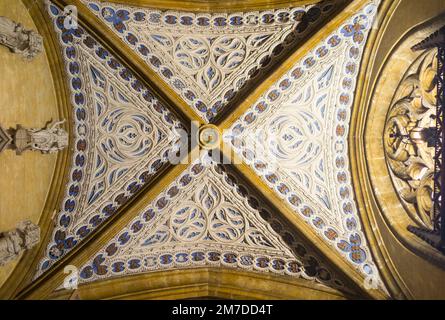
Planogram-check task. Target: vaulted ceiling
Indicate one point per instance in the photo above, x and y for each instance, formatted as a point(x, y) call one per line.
point(276, 80)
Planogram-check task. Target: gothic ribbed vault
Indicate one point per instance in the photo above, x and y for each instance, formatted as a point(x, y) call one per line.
point(267, 90)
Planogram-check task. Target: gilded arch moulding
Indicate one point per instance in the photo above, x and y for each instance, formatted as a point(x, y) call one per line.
point(213, 5)
point(204, 282)
point(384, 216)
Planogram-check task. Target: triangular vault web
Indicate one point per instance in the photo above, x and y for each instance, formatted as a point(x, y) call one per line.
point(208, 58)
point(205, 218)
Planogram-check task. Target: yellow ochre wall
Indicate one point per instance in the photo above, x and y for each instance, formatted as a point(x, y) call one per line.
point(27, 97)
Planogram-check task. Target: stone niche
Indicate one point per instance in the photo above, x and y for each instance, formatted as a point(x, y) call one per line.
point(397, 115)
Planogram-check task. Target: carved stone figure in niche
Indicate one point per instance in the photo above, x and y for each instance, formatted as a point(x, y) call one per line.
point(27, 43)
point(13, 243)
point(409, 138)
point(47, 140)
point(5, 139)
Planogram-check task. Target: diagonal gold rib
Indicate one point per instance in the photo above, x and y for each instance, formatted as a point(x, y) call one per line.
point(331, 256)
point(42, 287)
point(24, 271)
point(80, 254)
point(273, 77)
point(132, 61)
point(253, 83)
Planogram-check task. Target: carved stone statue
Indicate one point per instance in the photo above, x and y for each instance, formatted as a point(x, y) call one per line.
point(47, 140)
point(13, 243)
point(27, 43)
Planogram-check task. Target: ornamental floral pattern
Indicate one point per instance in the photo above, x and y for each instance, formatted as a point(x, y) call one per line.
point(122, 137)
point(208, 58)
point(409, 139)
point(295, 138)
point(207, 218)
